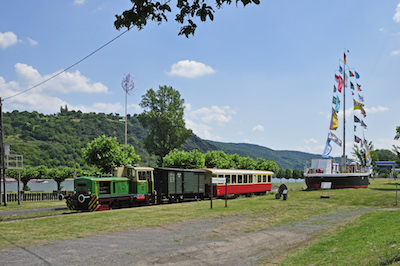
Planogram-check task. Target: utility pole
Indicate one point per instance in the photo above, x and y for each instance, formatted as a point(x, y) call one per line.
point(3, 167)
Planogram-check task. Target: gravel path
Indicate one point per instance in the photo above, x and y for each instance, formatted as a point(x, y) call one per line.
point(19, 212)
point(199, 242)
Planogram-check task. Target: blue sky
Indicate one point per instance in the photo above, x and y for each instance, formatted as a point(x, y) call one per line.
point(259, 74)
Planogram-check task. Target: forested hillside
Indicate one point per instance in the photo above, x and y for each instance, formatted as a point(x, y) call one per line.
point(57, 140)
point(284, 159)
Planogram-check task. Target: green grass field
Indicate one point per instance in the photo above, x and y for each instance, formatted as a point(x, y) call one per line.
point(372, 239)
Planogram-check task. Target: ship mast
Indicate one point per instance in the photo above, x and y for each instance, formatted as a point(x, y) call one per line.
point(344, 163)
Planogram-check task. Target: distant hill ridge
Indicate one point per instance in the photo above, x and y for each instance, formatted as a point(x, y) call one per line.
point(57, 139)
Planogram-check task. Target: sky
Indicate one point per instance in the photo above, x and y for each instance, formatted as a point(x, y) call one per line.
point(260, 74)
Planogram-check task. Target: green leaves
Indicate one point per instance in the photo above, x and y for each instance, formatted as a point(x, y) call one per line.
point(144, 10)
point(106, 153)
point(163, 117)
point(216, 159)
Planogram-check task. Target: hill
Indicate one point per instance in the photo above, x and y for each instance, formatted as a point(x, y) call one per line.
point(57, 139)
point(284, 159)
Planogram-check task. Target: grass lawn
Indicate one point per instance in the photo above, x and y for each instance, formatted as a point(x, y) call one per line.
point(367, 238)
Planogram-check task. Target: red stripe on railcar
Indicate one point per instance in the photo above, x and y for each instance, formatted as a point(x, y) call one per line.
point(219, 190)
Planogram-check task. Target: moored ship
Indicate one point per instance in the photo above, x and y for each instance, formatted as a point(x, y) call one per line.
point(345, 174)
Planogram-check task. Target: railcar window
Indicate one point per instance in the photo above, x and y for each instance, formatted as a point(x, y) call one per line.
point(269, 179)
point(240, 179)
point(228, 179)
point(233, 179)
point(245, 178)
point(171, 176)
point(104, 187)
point(81, 185)
point(259, 178)
point(264, 179)
point(250, 178)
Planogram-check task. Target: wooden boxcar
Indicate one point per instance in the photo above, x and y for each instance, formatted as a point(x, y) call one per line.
point(174, 185)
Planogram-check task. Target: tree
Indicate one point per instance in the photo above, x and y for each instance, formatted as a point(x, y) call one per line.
point(396, 149)
point(288, 173)
point(185, 160)
point(262, 164)
point(281, 174)
point(163, 116)
point(144, 10)
point(296, 174)
point(218, 159)
point(361, 152)
point(106, 153)
point(27, 174)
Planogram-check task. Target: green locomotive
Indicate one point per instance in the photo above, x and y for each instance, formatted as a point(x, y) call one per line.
point(130, 186)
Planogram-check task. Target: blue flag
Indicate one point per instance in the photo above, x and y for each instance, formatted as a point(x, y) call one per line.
point(328, 149)
point(357, 75)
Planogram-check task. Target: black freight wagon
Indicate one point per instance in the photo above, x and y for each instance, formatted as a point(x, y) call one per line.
point(174, 185)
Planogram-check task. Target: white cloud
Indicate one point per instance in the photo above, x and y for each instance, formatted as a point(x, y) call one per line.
point(42, 98)
point(32, 42)
point(66, 82)
point(258, 128)
point(201, 130)
point(79, 2)
point(190, 69)
point(106, 108)
point(378, 109)
point(395, 53)
point(187, 106)
point(396, 16)
point(213, 114)
point(312, 140)
point(7, 39)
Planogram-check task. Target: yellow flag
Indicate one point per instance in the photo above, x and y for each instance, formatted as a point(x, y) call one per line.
point(358, 105)
point(334, 121)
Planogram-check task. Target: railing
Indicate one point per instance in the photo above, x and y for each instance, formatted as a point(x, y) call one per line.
point(34, 196)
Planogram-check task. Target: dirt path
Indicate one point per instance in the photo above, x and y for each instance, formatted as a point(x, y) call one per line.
point(200, 242)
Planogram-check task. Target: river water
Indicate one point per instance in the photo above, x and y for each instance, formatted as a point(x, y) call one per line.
point(47, 185)
point(68, 184)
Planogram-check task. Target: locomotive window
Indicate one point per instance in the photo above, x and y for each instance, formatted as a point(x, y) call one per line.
point(104, 187)
point(131, 172)
point(264, 179)
point(144, 175)
point(81, 185)
point(240, 179)
point(250, 178)
point(228, 179)
point(245, 179)
point(259, 178)
point(233, 179)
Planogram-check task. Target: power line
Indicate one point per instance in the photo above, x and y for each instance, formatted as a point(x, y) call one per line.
point(66, 69)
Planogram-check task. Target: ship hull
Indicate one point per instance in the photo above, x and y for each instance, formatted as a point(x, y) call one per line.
point(351, 180)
